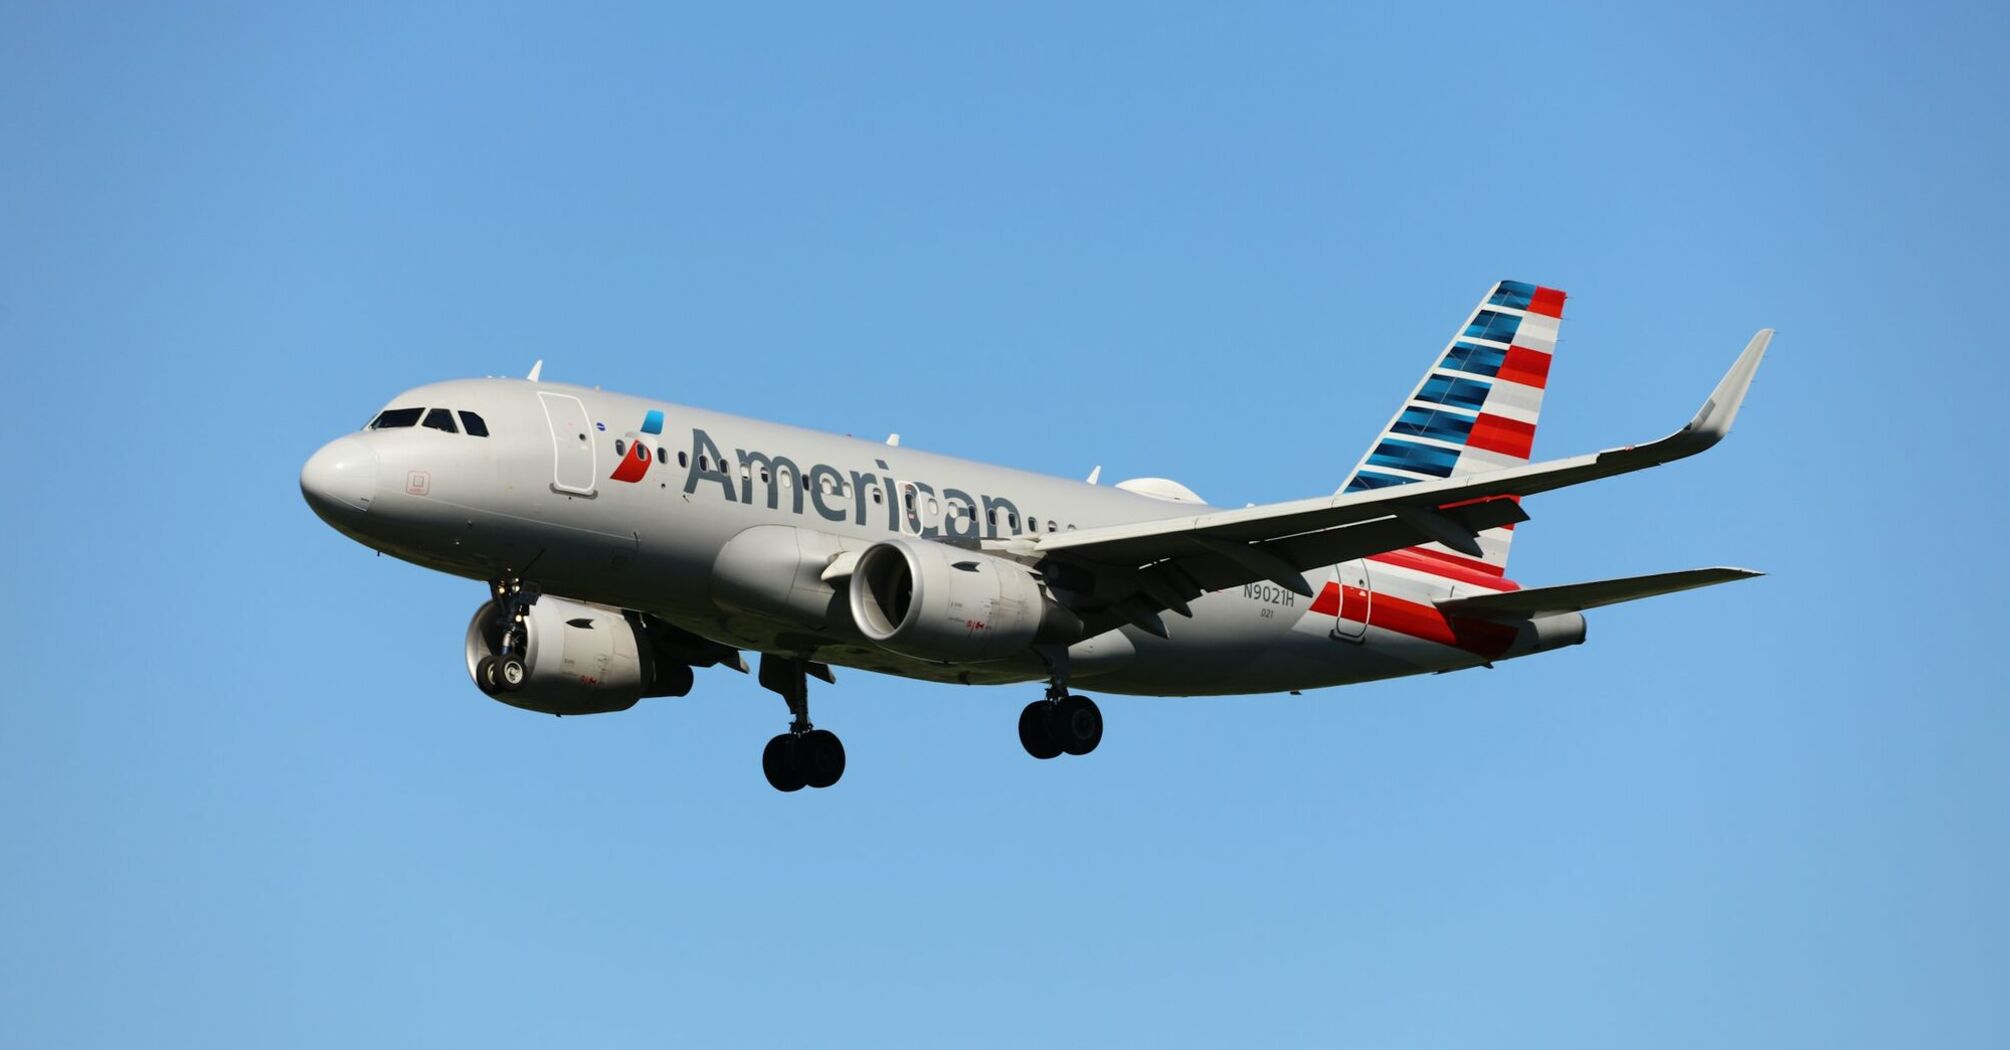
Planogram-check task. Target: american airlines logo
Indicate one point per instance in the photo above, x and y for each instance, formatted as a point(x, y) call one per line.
point(635, 463)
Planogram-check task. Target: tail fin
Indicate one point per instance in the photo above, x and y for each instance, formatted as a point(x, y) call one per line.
point(1476, 409)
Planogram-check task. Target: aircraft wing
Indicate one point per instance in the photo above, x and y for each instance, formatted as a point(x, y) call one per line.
point(1143, 567)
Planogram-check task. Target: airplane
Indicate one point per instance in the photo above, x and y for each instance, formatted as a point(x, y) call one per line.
point(627, 542)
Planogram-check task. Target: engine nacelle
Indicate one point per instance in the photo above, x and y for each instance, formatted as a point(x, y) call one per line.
point(934, 602)
point(581, 659)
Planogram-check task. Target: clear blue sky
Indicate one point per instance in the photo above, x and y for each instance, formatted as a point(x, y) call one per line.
point(248, 797)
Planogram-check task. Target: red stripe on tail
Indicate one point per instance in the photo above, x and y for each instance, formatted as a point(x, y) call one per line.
point(1525, 366)
point(1509, 437)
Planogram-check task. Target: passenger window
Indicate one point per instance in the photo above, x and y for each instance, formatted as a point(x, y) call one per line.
point(1032, 523)
point(683, 459)
point(663, 455)
point(394, 418)
point(620, 447)
point(1050, 526)
point(441, 419)
point(473, 425)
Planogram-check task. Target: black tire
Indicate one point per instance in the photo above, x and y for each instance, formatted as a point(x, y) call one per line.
point(820, 757)
point(778, 762)
point(1078, 725)
point(511, 673)
point(1036, 733)
point(485, 675)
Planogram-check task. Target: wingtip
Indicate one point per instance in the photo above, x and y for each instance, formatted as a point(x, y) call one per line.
point(1720, 409)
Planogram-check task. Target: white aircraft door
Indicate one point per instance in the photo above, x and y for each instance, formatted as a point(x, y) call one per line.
point(1356, 597)
point(573, 468)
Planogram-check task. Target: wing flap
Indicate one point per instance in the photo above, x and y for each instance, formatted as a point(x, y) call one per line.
point(1577, 597)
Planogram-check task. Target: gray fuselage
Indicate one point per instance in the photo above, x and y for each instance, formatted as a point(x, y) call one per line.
point(684, 527)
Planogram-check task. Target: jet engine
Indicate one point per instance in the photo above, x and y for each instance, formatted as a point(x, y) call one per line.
point(579, 659)
point(931, 601)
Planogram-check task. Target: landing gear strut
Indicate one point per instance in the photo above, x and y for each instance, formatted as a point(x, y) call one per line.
point(805, 756)
point(1060, 724)
point(508, 669)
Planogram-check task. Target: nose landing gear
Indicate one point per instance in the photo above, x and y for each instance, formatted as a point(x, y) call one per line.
point(805, 756)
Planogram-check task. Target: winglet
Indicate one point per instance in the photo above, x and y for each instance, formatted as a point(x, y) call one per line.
point(1711, 422)
point(536, 370)
point(1714, 419)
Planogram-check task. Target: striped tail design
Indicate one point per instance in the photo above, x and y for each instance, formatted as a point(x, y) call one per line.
point(1475, 410)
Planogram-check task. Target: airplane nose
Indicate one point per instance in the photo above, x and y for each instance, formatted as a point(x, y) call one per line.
point(341, 478)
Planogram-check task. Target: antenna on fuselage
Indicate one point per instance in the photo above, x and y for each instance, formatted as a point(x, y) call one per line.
point(1096, 473)
point(536, 370)
point(893, 439)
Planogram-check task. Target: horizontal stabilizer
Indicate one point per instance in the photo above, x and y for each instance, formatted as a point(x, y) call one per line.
point(1577, 597)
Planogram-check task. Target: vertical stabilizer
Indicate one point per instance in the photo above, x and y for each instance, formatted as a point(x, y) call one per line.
point(1476, 409)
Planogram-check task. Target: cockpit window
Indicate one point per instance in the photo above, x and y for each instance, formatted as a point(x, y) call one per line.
point(441, 419)
point(473, 425)
point(393, 418)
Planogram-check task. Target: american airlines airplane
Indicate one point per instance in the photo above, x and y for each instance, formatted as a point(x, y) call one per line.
point(627, 541)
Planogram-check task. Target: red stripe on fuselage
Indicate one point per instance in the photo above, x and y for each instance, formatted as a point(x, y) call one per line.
point(1417, 620)
point(1479, 637)
point(1450, 566)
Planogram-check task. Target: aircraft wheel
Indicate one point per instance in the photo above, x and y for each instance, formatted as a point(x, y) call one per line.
point(820, 758)
point(511, 674)
point(1036, 730)
point(485, 675)
point(778, 762)
point(1078, 725)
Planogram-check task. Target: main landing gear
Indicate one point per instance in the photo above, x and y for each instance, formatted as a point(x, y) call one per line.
point(805, 756)
point(507, 670)
point(1060, 724)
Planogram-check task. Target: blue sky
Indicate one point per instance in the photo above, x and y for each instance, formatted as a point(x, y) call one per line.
point(248, 797)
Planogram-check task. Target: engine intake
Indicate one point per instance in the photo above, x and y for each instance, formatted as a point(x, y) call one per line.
point(580, 659)
point(934, 602)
